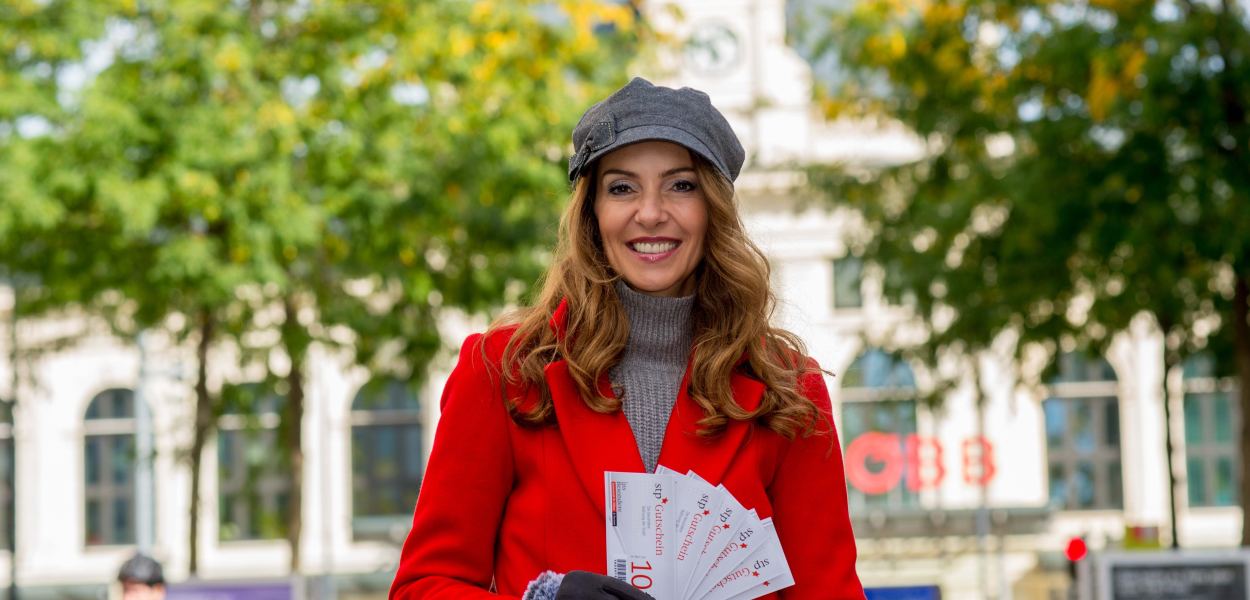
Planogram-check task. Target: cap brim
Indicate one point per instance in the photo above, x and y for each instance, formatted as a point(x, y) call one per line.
point(646, 133)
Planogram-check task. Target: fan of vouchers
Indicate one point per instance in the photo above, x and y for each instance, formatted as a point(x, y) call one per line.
point(677, 537)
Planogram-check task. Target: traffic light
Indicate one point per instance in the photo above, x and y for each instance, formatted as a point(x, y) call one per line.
point(1076, 551)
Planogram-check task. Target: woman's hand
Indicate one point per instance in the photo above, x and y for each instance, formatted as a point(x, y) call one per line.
point(583, 585)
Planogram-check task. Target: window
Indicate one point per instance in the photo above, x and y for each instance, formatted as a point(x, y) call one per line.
point(1212, 420)
point(253, 481)
point(109, 468)
point(847, 275)
point(876, 374)
point(6, 473)
point(387, 455)
point(878, 426)
point(1083, 436)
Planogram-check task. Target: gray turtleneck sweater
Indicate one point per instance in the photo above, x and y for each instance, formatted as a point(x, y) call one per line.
point(650, 371)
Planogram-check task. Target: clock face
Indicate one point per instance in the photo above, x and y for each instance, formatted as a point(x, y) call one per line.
point(712, 48)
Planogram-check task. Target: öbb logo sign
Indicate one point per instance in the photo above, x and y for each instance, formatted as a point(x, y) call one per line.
point(877, 462)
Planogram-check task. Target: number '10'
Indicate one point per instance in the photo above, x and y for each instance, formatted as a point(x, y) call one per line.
point(640, 580)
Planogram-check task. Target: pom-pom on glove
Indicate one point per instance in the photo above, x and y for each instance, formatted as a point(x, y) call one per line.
point(543, 587)
point(583, 585)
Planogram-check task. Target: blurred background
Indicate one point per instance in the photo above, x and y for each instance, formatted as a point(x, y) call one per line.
point(240, 242)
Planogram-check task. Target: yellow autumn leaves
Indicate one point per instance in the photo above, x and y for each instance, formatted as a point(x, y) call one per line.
point(586, 15)
point(493, 42)
point(888, 23)
point(1112, 76)
point(959, 45)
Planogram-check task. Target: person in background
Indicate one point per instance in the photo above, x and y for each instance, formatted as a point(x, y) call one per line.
point(649, 344)
point(141, 578)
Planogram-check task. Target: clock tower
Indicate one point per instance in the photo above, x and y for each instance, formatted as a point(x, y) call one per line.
point(736, 51)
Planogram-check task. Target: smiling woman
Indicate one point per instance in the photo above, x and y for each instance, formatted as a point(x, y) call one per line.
point(649, 346)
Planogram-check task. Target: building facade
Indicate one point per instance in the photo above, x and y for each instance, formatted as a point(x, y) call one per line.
point(976, 497)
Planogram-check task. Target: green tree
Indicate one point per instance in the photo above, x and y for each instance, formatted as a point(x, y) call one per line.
point(1085, 163)
point(39, 44)
point(277, 175)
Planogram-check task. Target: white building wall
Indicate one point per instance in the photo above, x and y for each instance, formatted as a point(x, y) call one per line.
point(49, 429)
point(1137, 357)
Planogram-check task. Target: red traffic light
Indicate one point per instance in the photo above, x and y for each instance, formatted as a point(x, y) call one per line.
point(1076, 549)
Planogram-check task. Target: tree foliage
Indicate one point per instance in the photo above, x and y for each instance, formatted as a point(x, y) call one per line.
point(39, 44)
point(279, 174)
point(1085, 163)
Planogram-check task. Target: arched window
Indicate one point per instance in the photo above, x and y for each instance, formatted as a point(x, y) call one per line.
point(387, 455)
point(1212, 423)
point(877, 374)
point(109, 468)
point(6, 473)
point(878, 400)
point(253, 482)
point(1083, 435)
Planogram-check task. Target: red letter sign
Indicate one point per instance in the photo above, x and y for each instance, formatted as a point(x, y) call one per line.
point(978, 461)
point(880, 448)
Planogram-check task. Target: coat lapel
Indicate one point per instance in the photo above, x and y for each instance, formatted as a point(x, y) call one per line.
point(596, 442)
point(685, 450)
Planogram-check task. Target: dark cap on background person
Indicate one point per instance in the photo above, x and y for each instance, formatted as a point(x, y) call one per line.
point(643, 111)
point(143, 569)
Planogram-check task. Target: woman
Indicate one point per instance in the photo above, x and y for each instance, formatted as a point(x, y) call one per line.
point(649, 345)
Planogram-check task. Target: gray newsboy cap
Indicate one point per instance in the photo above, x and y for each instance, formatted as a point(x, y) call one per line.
point(644, 111)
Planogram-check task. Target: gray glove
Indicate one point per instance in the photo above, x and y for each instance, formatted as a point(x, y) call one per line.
point(582, 585)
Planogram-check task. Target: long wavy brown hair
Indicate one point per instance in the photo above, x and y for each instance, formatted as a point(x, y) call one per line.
point(732, 309)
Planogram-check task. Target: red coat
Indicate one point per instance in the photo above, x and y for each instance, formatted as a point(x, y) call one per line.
point(503, 502)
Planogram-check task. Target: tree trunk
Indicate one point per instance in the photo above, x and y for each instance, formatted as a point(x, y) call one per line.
point(9, 522)
point(295, 340)
point(203, 427)
point(1241, 339)
point(1234, 109)
point(1171, 358)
